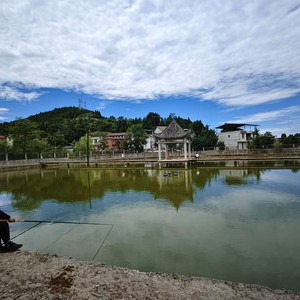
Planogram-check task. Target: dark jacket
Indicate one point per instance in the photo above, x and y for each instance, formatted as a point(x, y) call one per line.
point(4, 216)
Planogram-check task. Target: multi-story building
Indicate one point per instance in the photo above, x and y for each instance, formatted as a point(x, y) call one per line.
point(236, 136)
point(111, 140)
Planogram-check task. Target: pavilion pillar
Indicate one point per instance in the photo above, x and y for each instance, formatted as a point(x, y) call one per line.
point(166, 151)
point(159, 150)
point(184, 148)
point(190, 155)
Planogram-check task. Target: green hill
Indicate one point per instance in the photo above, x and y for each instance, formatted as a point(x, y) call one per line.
point(68, 121)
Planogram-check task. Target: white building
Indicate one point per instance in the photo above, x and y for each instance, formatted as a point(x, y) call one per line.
point(151, 140)
point(236, 136)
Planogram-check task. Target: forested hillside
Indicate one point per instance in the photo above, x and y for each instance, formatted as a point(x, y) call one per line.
point(63, 126)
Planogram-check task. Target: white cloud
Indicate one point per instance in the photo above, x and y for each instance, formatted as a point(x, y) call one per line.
point(102, 105)
point(3, 110)
point(235, 52)
point(276, 121)
point(278, 131)
point(269, 115)
point(13, 93)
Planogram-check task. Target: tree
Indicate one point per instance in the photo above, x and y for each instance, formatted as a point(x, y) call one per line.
point(267, 140)
point(291, 140)
point(23, 132)
point(57, 139)
point(152, 120)
point(184, 123)
point(4, 146)
point(262, 141)
point(81, 145)
point(204, 138)
point(197, 127)
point(39, 146)
point(169, 119)
point(136, 137)
point(121, 124)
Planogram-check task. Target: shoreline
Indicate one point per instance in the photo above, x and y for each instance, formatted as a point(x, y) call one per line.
point(31, 275)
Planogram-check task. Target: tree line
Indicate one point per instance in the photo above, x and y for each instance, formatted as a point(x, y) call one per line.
point(53, 130)
point(69, 126)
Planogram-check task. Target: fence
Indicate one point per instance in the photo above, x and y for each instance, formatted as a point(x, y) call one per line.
point(35, 159)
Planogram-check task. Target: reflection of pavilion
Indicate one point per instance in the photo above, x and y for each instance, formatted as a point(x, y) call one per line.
point(175, 189)
point(174, 134)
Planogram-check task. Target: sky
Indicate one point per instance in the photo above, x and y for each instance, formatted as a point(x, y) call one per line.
point(211, 60)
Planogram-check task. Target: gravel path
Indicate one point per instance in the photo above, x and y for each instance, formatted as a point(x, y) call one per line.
point(28, 275)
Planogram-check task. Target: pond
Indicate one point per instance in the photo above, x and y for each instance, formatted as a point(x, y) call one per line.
point(238, 224)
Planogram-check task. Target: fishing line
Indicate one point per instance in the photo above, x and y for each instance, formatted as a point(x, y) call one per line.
point(67, 222)
point(58, 222)
point(62, 222)
point(26, 230)
point(103, 241)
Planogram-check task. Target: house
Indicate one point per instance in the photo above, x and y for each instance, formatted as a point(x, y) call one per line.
point(96, 142)
point(6, 139)
point(236, 136)
point(111, 140)
point(151, 143)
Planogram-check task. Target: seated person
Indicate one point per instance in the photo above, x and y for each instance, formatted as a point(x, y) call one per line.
point(8, 245)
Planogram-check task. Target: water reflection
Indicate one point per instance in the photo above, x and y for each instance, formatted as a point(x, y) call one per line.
point(240, 176)
point(239, 224)
point(30, 188)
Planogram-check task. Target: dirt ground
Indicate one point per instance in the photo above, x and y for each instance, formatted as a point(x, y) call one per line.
point(27, 275)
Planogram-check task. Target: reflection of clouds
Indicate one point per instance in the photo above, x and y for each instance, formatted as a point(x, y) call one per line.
point(249, 204)
point(253, 196)
point(277, 177)
point(199, 242)
point(4, 200)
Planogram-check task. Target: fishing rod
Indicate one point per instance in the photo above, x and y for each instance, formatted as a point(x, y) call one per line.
point(57, 222)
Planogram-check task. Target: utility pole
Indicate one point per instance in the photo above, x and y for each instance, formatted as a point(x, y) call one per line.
point(88, 143)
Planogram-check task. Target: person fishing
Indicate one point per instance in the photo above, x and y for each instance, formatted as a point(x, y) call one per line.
point(8, 245)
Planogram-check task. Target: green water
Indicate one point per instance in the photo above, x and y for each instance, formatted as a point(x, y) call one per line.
point(231, 224)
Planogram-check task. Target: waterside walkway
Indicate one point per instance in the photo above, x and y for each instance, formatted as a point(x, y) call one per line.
point(150, 160)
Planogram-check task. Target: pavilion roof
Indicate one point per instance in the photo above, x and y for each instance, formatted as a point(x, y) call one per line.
point(173, 131)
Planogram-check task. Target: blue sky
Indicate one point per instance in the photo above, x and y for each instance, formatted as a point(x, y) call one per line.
point(214, 61)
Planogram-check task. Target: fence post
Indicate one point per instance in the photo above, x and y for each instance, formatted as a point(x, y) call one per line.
point(25, 156)
point(6, 157)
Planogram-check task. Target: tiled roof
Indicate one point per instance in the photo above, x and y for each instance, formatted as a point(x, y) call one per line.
point(173, 131)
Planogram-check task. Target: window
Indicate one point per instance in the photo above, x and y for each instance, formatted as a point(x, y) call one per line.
point(229, 135)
